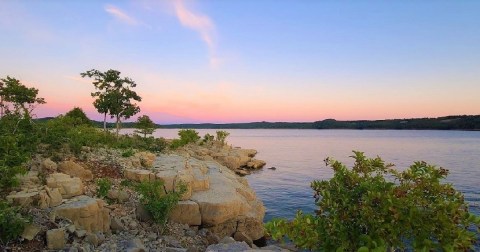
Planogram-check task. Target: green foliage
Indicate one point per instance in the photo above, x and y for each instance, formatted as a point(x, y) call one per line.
point(128, 153)
point(156, 201)
point(21, 98)
point(114, 95)
point(360, 209)
point(12, 223)
point(78, 117)
point(103, 187)
point(222, 135)
point(186, 136)
point(145, 126)
point(207, 138)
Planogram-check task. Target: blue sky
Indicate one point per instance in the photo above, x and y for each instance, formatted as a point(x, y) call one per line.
point(239, 61)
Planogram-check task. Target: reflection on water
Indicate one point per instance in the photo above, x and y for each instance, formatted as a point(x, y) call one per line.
point(298, 156)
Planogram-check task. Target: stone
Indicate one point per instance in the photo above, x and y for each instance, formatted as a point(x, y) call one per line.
point(172, 242)
point(73, 169)
point(256, 164)
point(92, 239)
point(240, 236)
point(68, 186)
point(139, 175)
point(30, 231)
point(146, 158)
point(123, 196)
point(49, 166)
point(186, 212)
point(80, 233)
point(55, 197)
point(135, 244)
point(230, 247)
point(116, 225)
point(112, 194)
point(71, 228)
point(56, 238)
point(86, 213)
point(227, 240)
point(170, 249)
point(212, 238)
point(24, 198)
point(142, 214)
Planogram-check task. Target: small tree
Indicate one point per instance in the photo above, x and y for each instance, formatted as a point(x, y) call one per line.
point(145, 126)
point(78, 117)
point(114, 95)
point(222, 136)
point(22, 98)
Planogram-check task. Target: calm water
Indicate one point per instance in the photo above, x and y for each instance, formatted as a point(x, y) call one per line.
point(298, 156)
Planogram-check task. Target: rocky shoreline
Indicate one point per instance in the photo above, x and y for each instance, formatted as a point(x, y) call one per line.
point(218, 212)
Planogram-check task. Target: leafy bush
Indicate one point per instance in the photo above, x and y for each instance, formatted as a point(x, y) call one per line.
point(207, 138)
point(103, 187)
point(360, 209)
point(78, 117)
point(128, 153)
point(222, 135)
point(158, 203)
point(12, 223)
point(186, 136)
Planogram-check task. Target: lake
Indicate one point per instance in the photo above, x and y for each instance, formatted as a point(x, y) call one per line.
point(298, 156)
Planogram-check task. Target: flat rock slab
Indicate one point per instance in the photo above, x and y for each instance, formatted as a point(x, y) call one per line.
point(87, 213)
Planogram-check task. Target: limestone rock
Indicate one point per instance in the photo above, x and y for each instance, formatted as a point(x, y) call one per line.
point(49, 166)
point(68, 186)
point(229, 247)
point(86, 213)
point(240, 236)
point(146, 158)
point(139, 175)
point(56, 238)
point(30, 231)
point(75, 170)
point(186, 212)
point(256, 164)
point(24, 198)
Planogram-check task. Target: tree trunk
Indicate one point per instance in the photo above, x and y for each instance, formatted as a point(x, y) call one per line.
point(1, 106)
point(105, 121)
point(118, 125)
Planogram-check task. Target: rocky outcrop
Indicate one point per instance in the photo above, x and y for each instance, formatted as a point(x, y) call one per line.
point(216, 197)
point(68, 186)
point(73, 169)
point(236, 159)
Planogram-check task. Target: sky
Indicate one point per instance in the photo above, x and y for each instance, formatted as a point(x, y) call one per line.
point(244, 61)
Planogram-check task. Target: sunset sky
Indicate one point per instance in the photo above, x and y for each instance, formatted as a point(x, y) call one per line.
point(242, 61)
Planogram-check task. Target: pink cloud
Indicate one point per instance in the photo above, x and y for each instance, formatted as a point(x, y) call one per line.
point(121, 16)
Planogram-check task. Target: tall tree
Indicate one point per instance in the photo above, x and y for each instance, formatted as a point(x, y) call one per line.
point(113, 95)
point(145, 126)
point(78, 117)
point(22, 98)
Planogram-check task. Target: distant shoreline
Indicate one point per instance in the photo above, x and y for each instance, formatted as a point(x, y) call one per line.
point(456, 122)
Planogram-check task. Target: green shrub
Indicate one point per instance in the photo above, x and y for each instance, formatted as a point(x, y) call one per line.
point(158, 203)
point(222, 135)
point(360, 208)
point(207, 138)
point(12, 223)
point(128, 153)
point(103, 187)
point(186, 136)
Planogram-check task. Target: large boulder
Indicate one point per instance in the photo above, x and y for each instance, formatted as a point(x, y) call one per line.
point(186, 212)
point(68, 186)
point(73, 169)
point(87, 213)
point(42, 197)
point(48, 165)
point(146, 158)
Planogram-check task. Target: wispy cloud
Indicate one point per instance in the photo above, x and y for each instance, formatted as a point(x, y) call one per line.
point(121, 16)
point(202, 24)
